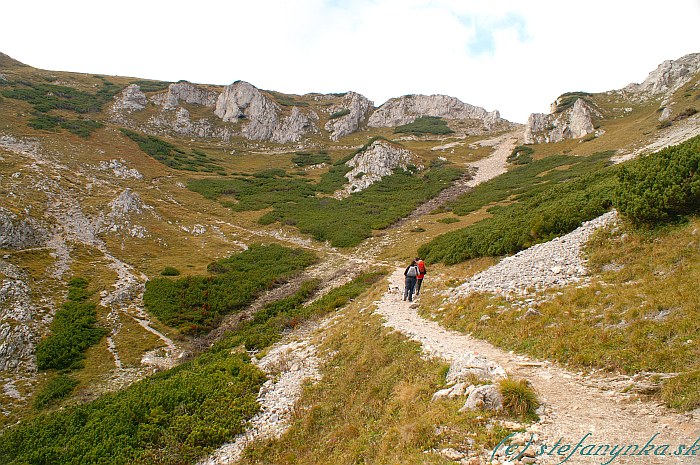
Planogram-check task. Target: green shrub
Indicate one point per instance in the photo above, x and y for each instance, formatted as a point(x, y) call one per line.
point(195, 304)
point(287, 100)
point(310, 159)
point(176, 416)
point(664, 124)
point(568, 99)
point(529, 180)
point(170, 271)
point(44, 122)
point(47, 97)
point(270, 173)
point(81, 127)
point(662, 185)
point(448, 220)
point(151, 86)
point(339, 113)
point(521, 155)
point(269, 323)
point(170, 155)
point(537, 217)
point(72, 331)
point(648, 190)
point(345, 223)
point(687, 113)
point(425, 125)
point(57, 388)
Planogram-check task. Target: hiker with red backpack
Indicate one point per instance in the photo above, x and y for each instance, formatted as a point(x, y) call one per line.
point(421, 274)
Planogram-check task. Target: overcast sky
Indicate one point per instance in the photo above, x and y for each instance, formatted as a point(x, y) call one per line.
point(512, 56)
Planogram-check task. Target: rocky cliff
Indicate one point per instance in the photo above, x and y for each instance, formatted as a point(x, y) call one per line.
point(18, 234)
point(186, 92)
point(353, 110)
point(668, 77)
point(262, 118)
point(379, 159)
point(130, 99)
point(572, 123)
point(403, 110)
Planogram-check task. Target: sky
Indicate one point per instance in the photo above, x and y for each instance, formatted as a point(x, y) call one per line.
point(514, 56)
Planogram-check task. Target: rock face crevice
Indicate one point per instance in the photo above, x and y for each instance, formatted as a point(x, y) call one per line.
point(572, 123)
point(359, 108)
point(261, 117)
point(403, 110)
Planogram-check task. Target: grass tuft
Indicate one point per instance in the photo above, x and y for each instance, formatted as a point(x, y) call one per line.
point(519, 397)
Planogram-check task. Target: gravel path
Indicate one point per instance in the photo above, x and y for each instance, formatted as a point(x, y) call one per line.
point(573, 404)
point(490, 167)
point(572, 408)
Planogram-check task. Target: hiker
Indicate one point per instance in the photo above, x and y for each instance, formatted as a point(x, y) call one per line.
point(411, 272)
point(420, 263)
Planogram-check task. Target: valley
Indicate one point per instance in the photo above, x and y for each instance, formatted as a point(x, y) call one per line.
point(257, 240)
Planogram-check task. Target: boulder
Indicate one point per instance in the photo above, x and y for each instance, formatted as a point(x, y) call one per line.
point(469, 364)
point(186, 92)
point(130, 99)
point(485, 397)
point(573, 123)
point(17, 234)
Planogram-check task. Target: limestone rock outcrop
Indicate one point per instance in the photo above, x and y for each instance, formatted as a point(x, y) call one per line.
point(668, 77)
point(572, 123)
point(262, 118)
point(379, 159)
point(485, 397)
point(130, 99)
point(18, 234)
point(358, 107)
point(403, 110)
point(186, 92)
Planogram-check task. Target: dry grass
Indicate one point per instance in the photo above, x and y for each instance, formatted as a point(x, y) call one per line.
point(373, 405)
point(641, 309)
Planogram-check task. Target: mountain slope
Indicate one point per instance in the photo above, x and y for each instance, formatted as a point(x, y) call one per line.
point(121, 181)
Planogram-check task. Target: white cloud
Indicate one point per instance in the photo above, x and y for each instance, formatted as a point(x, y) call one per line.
point(509, 55)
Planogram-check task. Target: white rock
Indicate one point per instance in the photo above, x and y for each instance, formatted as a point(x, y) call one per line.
point(572, 123)
point(486, 397)
point(403, 110)
point(359, 107)
point(186, 92)
point(262, 117)
point(378, 160)
point(130, 99)
point(669, 76)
